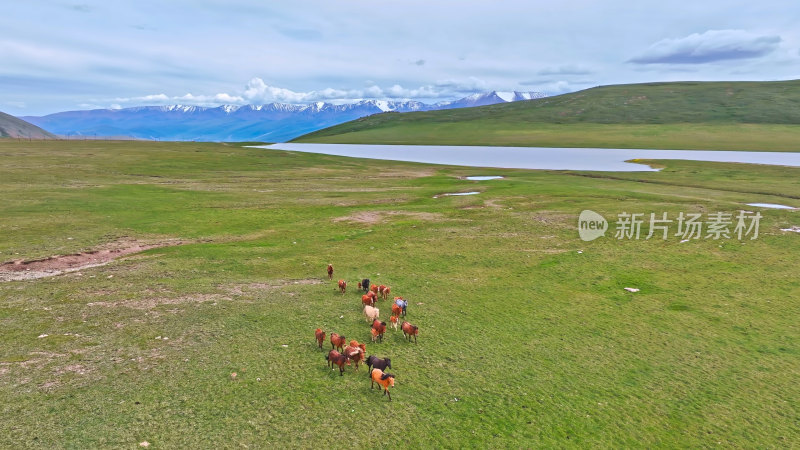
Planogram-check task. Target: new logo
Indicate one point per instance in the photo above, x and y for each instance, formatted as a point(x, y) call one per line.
point(591, 225)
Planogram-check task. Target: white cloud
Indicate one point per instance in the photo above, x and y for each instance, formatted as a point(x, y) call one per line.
point(565, 70)
point(156, 97)
point(319, 50)
point(710, 46)
point(373, 92)
point(256, 91)
point(228, 99)
point(555, 87)
point(469, 84)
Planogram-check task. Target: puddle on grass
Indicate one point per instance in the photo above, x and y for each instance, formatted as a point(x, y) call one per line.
point(771, 205)
point(450, 194)
point(484, 178)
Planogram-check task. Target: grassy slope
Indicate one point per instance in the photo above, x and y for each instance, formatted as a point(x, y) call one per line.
point(539, 344)
point(718, 115)
point(13, 127)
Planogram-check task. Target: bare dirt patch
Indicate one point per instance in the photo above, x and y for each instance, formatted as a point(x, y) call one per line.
point(373, 217)
point(242, 289)
point(150, 303)
point(236, 290)
point(59, 264)
point(548, 251)
point(72, 368)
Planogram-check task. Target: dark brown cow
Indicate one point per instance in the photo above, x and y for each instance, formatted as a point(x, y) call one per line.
point(373, 362)
point(340, 359)
point(355, 353)
point(378, 328)
point(410, 330)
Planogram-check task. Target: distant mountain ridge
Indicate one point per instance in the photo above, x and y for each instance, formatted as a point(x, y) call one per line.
point(12, 127)
point(274, 122)
point(634, 113)
point(489, 98)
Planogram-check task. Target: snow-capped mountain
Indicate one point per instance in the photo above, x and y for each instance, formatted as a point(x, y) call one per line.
point(490, 98)
point(273, 122)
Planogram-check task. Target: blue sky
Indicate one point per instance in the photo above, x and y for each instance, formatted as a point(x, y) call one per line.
point(65, 55)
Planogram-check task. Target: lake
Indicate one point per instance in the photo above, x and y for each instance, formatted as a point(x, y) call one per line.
point(594, 159)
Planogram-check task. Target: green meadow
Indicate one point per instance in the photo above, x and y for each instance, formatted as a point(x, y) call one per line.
point(527, 336)
point(743, 137)
point(755, 116)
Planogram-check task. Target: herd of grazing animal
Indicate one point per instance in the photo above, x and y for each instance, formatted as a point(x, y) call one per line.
point(343, 354)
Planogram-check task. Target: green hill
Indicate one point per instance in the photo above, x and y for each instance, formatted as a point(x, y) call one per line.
point(724, 115)
point(11, 127)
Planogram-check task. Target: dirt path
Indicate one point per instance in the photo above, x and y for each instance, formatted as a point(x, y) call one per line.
point(56, 265)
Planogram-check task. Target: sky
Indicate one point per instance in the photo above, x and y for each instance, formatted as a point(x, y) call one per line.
point(86, 54)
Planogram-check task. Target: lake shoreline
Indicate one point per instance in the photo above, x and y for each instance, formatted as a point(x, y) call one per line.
point(539, 158)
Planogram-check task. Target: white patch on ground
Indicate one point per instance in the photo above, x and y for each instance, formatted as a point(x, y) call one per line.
point(457, 194)
point(484, 177)
point(771, 205)
point(793, 228)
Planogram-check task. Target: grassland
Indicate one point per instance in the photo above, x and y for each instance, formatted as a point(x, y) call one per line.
point(715, 116)
point(527, 336)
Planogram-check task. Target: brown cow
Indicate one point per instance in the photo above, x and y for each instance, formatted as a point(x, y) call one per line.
point(334, 357)
point(320, 336)
point(367, 300)
point(337, 341)
point(355, 353)
point(383, 379)
point(378, 328)
point(342, 286)
point(410, 330)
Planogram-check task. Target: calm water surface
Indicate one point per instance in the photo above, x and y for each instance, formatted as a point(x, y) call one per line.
point(595, 159)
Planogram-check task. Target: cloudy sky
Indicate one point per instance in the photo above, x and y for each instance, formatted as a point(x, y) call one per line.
point(65, 55)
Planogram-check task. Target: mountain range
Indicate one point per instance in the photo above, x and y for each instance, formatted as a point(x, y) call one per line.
point(273, 122)
point(12, 127)
point(721, 115)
